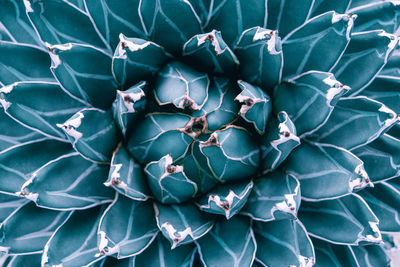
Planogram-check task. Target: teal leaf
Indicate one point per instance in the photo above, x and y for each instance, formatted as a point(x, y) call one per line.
point(364, 58)
point(68, 183)
point(281, 14)
point(280, 139)
point(128, 106)
point(385, 89)
point(369, 117)
point(181, 86)
point(211, 53)
point(235, 16)
point(230, 243)
point(384, 201)
point(159, 253)
point(16, 25)
point(136, 60)
point(327, 34)
point(39, 106)
point(334, 171)
point(160, 134)
point(114, 17)
point(329, 254)
point(345, 221)
point(182, 224)
point(381, 158)
point(226, 199)
point(164, 26)
point(308, 99)
point(126, 176)
point(33, 154)
point(260, 54)
point(275, 196)
point(74, 243)
point(231, 153)
point(283, 243)
point(28, 228)
point(195, 167)
point(22, 260)
point(256, 106)
point(52, 21)
point(13, 133)
point(126, 228)
point(92, 84)
point(9, 203)
point(392, 65)
point(169, 183)
point(23, 62)
point(92, 133)
point(381, 15)
point(322, 6)
point(220, 108)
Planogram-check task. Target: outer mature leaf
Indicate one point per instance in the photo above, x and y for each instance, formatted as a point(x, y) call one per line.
point(347, 220)
point(181, 86)
point(285, 237)
point(182, 224)
point(392, 66)
point(363, 59)
point(128, 106)
point(74, 243)
point(8, 204)
point(92, 84)
point(169, 183)
point(39, 106)
point(384, 200)
point(256, 106)
point(226, 159)
point(126, 175)
point(280, 139)
point(230, 243)
point(369, 117)
point(160, 134)
point(287, 15)
point(13, 133)
point(136, 60)
point(322, 6)
point(28, 228)
point(234, 16)
point(165, 27)
point(326, 172)
point(92, 133)
point(327, 34)
point(159, 253)
point(52, 20)
point(381, 15)
point(275, 196)
point(127, 227)
point(33, 154)
point(381, 158)
point(211, 53)
point(226, 199)
point(68, 183)
point(16, 25)
point(23, 62)
point(260, 54)
point(114, 17)
point(331, 255)
point(22, 260)
point(308, 99)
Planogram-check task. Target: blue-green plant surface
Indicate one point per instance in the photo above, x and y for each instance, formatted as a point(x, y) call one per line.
point(219, 133)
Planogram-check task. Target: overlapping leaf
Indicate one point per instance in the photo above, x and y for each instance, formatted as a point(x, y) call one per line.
point(9, 203)
point(347, 220)
point(21, 260)
point(68, 183)
point(127, 227)
point(322, 6)
point(275, 196)
point(230, 243)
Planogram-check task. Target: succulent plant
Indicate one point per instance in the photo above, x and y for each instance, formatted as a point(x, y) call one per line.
point(199, 132)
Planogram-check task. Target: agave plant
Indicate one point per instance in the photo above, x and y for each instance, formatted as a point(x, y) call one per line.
point(199, 132)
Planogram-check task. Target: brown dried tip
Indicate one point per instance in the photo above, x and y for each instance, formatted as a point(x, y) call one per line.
point(210, 37)
point(249, 102)
point(213, 140)
point(225, 206)
point(286, 134)
point(123, 45)
point(171, 169)
point(115, 182)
